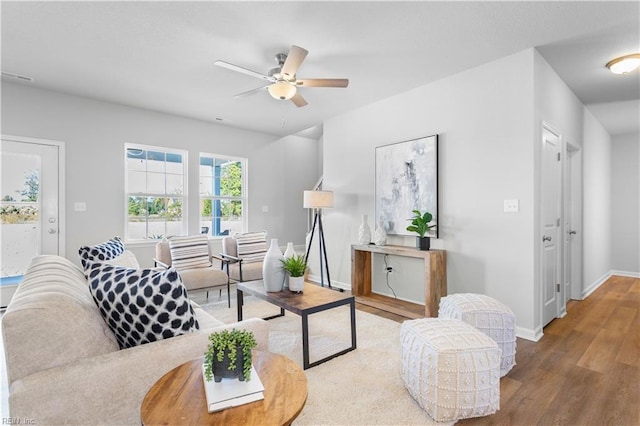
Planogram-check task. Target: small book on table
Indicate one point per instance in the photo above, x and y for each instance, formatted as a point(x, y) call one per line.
point(232, 392)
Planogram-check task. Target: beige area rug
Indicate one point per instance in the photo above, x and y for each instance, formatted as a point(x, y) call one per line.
point(362, 387)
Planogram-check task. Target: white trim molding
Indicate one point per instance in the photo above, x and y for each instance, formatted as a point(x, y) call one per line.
point(626, 274)
point(529, 334)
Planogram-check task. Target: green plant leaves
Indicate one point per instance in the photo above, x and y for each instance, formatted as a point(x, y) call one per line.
point(420, 222)
point(230, 339)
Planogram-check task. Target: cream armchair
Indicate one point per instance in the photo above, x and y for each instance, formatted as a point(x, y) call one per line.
point(194, 263)
point(244, 254)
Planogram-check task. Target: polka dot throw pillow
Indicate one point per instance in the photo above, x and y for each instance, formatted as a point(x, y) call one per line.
point(100, 252)
point(141, 305)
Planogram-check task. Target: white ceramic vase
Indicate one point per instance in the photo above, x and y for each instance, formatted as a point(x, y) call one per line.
point(364, 232)
point(289, 252)
point(272, 272)
point(380, 235)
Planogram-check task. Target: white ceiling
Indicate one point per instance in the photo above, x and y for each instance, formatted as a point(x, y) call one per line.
point(160, 55)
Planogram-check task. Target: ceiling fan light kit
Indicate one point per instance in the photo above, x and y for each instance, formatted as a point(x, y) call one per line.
point(282, 90)
point(624, 64)
point(283, 83)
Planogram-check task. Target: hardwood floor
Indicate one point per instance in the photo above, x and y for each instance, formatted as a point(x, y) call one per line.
point(584, 371)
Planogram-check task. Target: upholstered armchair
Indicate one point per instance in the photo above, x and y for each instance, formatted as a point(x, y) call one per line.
point(191, 257)
point(244, 254)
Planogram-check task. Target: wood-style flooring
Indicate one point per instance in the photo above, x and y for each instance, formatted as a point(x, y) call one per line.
point(585, 370)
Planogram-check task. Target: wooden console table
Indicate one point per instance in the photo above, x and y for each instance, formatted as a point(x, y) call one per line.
point(435, 280)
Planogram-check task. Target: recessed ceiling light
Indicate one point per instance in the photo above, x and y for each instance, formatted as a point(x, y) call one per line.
point(624, 64)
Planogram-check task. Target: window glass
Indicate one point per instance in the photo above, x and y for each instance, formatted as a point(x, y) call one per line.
point(222, 194)
point(155, 191)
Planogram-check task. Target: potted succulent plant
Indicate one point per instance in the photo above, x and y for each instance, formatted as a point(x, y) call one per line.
point(295, 266)
point(420, 225)
point(229, 355)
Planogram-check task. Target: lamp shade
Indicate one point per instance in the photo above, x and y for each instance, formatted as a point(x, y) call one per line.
point(282, 90)
point(318, 199)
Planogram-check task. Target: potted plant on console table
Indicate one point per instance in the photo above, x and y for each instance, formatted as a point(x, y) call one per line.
point(420, 225)
point(295, 266)
point(229, 355)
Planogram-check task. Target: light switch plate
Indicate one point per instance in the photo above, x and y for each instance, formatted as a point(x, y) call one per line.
point(511, 206)
point(80, 206)
point(265, 209)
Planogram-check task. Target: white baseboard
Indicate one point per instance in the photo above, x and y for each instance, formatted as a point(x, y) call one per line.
point(529, 334)
point(625, 273)
point(593, 287)
point(334, 283)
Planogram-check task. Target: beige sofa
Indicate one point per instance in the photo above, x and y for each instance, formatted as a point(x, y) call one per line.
point(63, 362)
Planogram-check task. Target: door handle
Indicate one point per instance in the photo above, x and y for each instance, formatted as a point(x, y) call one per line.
point(52, 231)
point(546, 238)
point(572, 232)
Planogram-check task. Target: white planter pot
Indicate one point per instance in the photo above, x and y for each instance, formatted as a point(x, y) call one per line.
point(296, 284)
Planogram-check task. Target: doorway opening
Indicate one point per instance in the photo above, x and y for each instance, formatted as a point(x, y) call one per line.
point(31, 206)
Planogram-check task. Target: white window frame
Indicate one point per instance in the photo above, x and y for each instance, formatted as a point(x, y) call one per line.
point(243, 198)
point(127, 194)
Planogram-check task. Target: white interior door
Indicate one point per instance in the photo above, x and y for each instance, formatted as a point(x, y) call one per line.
point(550, 226)
point(573, 223)
point(29, 191)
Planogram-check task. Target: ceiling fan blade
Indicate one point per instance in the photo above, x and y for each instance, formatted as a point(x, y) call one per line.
point(243, 70)
point(323, 82)
point(251, 92)
point(294, 59)
point(298, 100)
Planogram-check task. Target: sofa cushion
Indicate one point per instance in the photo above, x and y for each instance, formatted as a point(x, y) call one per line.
point(141, 305)
point(100, 252)
point(252, 246)
point(52, 320)
point(189, 252)
point(126, 259)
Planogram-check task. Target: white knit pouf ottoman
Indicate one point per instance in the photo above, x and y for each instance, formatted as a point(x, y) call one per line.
point(493, 318)
point(450, 368)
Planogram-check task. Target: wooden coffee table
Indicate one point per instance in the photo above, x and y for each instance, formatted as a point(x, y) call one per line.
point(313, 299)
point(178, 397)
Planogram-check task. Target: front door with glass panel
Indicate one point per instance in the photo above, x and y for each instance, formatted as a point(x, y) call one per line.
point(29, 212)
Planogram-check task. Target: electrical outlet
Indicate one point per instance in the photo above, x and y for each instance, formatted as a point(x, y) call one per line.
point(511, 206)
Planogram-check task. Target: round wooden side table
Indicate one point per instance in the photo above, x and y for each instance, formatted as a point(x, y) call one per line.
point(178, 397)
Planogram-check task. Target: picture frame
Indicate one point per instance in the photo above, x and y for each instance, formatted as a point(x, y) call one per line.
point(406, 180)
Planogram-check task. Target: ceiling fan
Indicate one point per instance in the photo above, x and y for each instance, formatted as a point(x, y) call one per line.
point(283, 83)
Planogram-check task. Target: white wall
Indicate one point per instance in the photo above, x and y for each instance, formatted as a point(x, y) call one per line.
point(597, 203)
point(558, 107)
point(95, 133)
point(484, 119)
point(625, 196)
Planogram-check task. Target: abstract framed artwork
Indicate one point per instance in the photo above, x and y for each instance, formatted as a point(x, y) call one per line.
point(406, 180)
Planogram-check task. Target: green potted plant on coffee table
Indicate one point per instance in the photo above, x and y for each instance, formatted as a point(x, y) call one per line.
point(420, 225)
point(295, 266)
point(229, 355)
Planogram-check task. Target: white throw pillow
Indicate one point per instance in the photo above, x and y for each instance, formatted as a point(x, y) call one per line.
point(252, 246)
point(189, 252)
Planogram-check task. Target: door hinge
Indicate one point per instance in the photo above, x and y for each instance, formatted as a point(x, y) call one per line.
point(558, 286)
point(557, 222)
point(558, 156)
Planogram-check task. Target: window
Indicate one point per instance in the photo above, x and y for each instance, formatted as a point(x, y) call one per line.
point(156, 192)
point(222, 194)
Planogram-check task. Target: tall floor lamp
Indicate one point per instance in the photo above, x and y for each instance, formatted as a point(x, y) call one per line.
point(318, 200)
